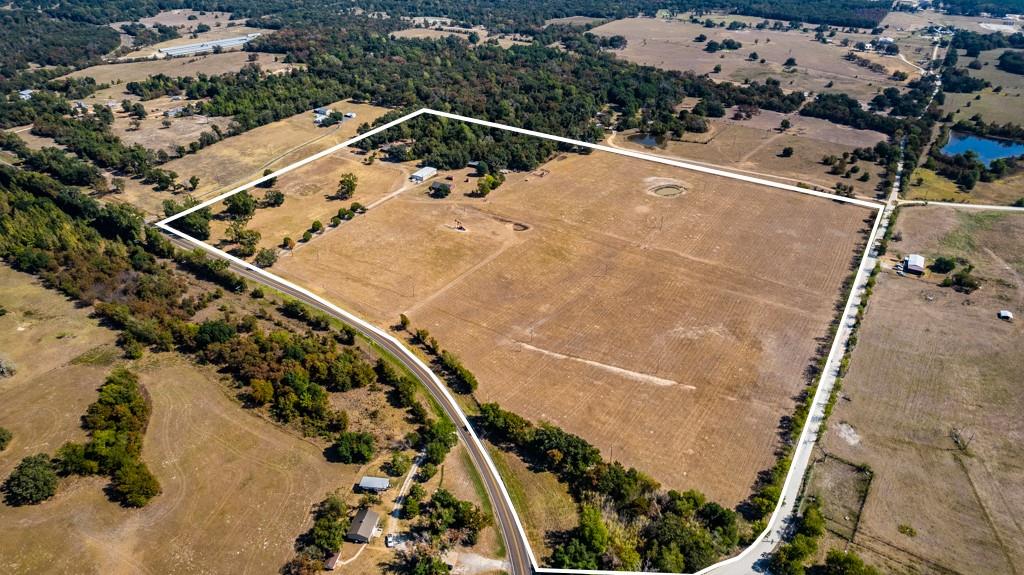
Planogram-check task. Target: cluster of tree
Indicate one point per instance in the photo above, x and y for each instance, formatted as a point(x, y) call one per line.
point(958, 80)
point(323, 539)
point(974, 43)
point(33, 38)
point(143, 35)
point(908, 104)
point(683, 531)
point(116, 423)
point(845, 110)
point(66, 169)
point(353, 447)
point(435, 437)
point(90, 137)
point(18, 112)
point(977, 125)
point(5, 438)
point(790, 557)
point(450, 520)
point(33, 481)
point(1012, 61)
point(462, 380)
point(963, 280)
point(727, 44)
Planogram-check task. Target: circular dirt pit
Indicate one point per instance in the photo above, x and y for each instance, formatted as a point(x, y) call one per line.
point(667, 190)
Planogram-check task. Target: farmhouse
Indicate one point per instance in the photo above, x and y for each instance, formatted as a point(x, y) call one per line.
point(374, 484)
point(363, 526)
point(423, 174)
point(914, 264)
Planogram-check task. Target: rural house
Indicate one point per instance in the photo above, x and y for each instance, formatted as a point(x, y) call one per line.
point(374, 484)
point(363, 526)
point(914, 264)
point(423, 174)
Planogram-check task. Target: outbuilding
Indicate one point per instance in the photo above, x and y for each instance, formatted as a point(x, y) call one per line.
point(26, 94)
point(423, 174)
point(1006, 315)
point(914, 264)
point(374, 484)
point(332, 562)
point(363, 526)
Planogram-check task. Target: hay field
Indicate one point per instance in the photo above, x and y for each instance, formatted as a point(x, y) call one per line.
point(755, 146)
point(930, 360)
point(652, 310)
point(209, 64)
point(671, 45)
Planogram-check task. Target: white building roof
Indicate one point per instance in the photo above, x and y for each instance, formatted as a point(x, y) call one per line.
point(915, 260)
point(1005, 314)
point(424, 173)
point(374, 483)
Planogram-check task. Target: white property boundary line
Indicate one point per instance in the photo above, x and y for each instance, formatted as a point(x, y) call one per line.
point(808, 435)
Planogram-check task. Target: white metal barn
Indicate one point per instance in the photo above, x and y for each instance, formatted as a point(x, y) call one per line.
point(423, 174)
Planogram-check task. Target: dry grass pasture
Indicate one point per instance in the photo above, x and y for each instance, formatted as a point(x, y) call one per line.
point(910, 21)
point(755, 146)
point(209, 64)
point(240, 159)
point(1001, 107)
point(670, 44)
point(236, 489)
point(307, 190)
point(637, 305)
point(934, 187)
point(930, 360)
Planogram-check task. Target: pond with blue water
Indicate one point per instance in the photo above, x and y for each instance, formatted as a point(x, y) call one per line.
point(987, 149)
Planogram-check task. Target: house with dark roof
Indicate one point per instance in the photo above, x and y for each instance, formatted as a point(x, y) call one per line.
point(363, 525)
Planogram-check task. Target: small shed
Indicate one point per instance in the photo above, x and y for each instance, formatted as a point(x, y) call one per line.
point(26, 94)
point(914, 264)
point(322, 111)
point(332, 562)
point(423, 174)
point(363, 525)
point(374, 484)
point(1006, 315)
point(350, 114)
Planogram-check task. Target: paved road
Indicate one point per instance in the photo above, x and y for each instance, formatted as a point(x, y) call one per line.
point(518, 554)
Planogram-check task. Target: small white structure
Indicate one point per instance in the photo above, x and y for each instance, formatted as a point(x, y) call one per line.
point(914, 264)
point(423, 174)
point(350, 114)
point(1006, 315)
point(26, 94)
point(322, 111)
point(374, 484)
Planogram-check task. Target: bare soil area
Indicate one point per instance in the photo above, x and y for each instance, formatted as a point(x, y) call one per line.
point(672, 45)
point(945, 358)
point(638, 320)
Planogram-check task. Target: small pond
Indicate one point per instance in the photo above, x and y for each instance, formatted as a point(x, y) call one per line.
point(648, 140)
point(987, 149)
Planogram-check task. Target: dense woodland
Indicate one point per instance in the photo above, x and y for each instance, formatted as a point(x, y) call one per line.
point(30, 37)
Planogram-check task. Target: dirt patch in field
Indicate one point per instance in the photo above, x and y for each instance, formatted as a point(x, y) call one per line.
point(615, 309)
point(671, 44)
point(945, 358)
